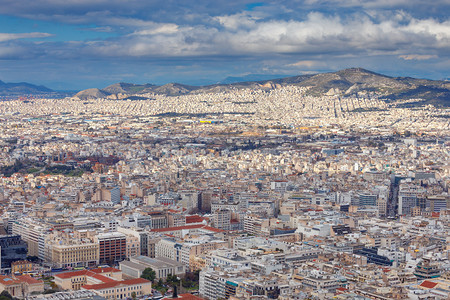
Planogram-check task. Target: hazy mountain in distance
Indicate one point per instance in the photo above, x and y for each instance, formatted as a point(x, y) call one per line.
point(22, 88)
point(344, 83)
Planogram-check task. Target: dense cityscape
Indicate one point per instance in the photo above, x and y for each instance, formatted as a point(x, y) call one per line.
point(241, 194)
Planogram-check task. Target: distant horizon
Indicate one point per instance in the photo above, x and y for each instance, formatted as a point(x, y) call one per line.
point(269, 77)
point(74, 45)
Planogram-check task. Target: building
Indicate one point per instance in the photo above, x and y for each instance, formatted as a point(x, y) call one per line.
point(74, 254)
point(112, 247)
point(76, 279)
point(279, 186)
point(21, 286)
point(142, 239)
point(21, 266)
point(124, 289)
point(408, 197)
point(30, 232)
point(438, 203)
point(161, 265)
point(105, 282)
point(426, 269)
point(222, 219)
point(13, 248)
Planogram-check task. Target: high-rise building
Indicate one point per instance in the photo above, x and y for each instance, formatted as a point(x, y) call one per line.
point(112, 247)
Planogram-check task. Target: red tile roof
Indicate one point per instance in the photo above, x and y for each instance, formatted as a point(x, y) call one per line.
point(105, 270)
point(194, 219)
point(103, 278)
point(28, 279)
point(213, 229)
point(428, 284)
point(91, 273)
point(108, 285)
point(71, 274)
point(6, 280)
point(435, 215)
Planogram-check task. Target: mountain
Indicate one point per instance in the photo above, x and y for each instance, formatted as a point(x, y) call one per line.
point(91, 94)
point(126, 88)
point(344, 83)
point(22, 88)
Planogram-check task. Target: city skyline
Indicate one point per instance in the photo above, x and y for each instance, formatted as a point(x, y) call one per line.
point(85, 44)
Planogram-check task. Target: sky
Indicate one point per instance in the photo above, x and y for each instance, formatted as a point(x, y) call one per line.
point(79, 44)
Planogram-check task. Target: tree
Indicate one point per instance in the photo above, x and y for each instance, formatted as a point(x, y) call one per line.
point(172, 279)
point(5, 295)
point(149, 274)
point(133, 295)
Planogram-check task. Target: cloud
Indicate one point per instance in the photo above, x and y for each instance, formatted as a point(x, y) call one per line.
point(158, 29)
point(15, 36)
point(98, 29)
point(252, 35)
point(307, 64)
point(417, 57)
point(242, 34)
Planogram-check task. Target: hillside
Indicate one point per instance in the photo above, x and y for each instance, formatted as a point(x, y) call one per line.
point(344, 82)
point(22, 88)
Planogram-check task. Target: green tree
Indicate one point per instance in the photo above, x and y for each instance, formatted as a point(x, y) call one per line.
point(133, 295)
point(172, 280)
point(5, 295)
point(149, 274)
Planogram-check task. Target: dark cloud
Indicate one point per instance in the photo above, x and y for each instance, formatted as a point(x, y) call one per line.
point(236, 37)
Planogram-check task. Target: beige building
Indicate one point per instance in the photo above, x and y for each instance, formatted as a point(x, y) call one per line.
point(62, 250)
point(133, 246)
point(125, 289)
point(20, 286)
point(75, 255)
point(76, 279)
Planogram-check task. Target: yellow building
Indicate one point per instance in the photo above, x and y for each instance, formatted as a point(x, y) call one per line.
point(21, 266)
point(75, 254)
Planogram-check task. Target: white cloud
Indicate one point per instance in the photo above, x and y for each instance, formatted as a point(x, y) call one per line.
point(307, 64)
point(242, 34)
point(417, 57)
point(15, 36)
point(158, 29)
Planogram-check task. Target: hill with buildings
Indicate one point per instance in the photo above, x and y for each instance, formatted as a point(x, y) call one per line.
point(343, 83)
point(348, 82)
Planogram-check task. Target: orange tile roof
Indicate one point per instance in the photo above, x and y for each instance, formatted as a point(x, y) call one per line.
point(28, 279)
point(103, 278)
point(194, 219)
point(6, 280)
point(91, 273)
point(428, 284)
point(71, 274)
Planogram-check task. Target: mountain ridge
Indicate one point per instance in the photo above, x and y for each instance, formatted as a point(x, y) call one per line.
point(344, 82)
point(22, 88)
